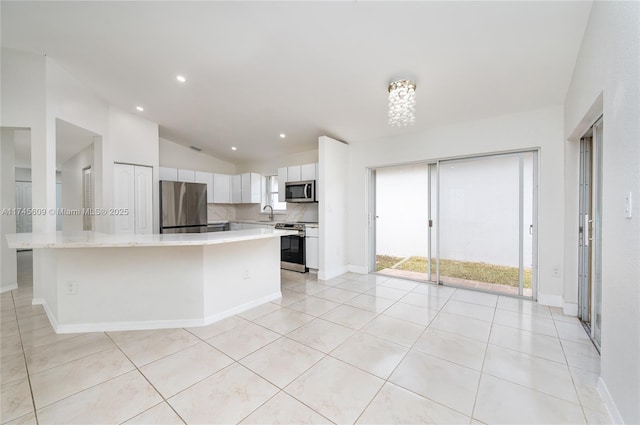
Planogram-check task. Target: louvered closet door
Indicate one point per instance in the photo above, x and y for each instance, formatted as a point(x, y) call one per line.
point(124, 198)
point(143, 199)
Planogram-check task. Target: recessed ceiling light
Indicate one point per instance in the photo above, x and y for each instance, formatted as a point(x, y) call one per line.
point(181, 78)
point(140, 108)
point(282, 135)
point(233, 148)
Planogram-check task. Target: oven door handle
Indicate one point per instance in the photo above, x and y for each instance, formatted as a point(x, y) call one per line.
point(307, 191)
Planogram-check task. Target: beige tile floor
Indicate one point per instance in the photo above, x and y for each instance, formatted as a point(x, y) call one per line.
point(353, 349)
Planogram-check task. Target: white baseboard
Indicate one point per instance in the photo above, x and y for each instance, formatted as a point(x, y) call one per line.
point(7, 288)
point(570, 309)
point(241, 308)
point(550, 300)
point(358, 269)
point(126, 326)
point(48, 312)
point(616, 418)
point(152, 324)
point(330, 274)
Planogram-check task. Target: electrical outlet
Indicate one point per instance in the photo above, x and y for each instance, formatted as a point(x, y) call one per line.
point(71, 288)
point(245, 274)
point(556, 271)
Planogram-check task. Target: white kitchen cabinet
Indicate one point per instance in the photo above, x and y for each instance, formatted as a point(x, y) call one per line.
point(308, 172)
point(251, 188)
point(294, 173)
point(282, 179)
point(236, 189)
point(170, 174)
point(133, 193)
point(188, 176)
point(312, 248)
point(221, 188)
point(206, 178)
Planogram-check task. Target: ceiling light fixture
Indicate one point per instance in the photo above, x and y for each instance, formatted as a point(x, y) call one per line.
point(402, 103)
point(181, 78)
point(140, 108)
point(282, 135)
point(233, 148)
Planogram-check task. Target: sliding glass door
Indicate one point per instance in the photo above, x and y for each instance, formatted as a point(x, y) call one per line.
point(466, 222)
point(590, 232)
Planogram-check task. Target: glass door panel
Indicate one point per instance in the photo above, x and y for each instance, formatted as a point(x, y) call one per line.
point(486, 228)
point(402, 226)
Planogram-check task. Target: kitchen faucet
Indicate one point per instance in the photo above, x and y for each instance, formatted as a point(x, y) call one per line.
point(270, 213)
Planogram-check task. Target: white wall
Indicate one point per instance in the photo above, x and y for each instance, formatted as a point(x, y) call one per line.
point(134, 140)
point(174, 155)
point(8, 259)
point(525, 130)
point(333, 170)
point(270, 166)
point(23, 104)
point(606, 81)
point(70, 100)
point(72, 190)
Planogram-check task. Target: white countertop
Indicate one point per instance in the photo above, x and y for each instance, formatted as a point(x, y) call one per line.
point(88, 239)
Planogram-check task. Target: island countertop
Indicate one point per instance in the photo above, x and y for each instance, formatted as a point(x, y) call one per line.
point(89, 239)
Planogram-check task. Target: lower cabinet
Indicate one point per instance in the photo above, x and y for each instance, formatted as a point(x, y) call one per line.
point(133, 199)
point(312, 248)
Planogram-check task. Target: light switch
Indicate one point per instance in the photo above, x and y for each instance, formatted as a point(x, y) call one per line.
point(628, 206)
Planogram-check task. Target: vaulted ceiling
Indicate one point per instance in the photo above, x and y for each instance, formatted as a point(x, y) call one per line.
point(258, 69)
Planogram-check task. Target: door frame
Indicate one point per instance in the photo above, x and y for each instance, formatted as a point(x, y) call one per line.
point(589, 232)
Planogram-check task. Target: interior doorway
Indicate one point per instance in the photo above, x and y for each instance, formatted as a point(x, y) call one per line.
point(590, 232)
point(467, 222)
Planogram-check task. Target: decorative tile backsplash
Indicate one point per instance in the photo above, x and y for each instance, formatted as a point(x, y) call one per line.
point(295, 212)
point(221, 212)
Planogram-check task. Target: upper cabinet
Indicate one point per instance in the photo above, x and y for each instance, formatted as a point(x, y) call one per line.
point(308, 172)
point(294, 174)
point(282, 179)
point(251, 188)
point(236, 189)
point(188, 176)
point(221, 188)
point(170, 174)
point(206, 178)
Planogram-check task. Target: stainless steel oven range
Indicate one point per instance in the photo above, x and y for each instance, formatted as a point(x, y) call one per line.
point(292, 249)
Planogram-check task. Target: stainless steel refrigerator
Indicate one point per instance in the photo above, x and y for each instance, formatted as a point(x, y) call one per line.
point(183, 207)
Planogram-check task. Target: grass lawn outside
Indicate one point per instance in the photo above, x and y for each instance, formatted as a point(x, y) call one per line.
point(481, 272)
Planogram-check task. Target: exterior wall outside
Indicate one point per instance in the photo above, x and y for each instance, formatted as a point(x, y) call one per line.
point(479, 210)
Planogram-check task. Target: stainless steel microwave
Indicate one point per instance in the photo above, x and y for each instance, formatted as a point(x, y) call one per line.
point(300, 191)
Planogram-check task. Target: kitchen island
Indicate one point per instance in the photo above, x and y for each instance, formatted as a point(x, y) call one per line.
point(98, 282)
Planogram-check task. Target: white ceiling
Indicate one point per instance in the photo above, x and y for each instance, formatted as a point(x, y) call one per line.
point(258, 69)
